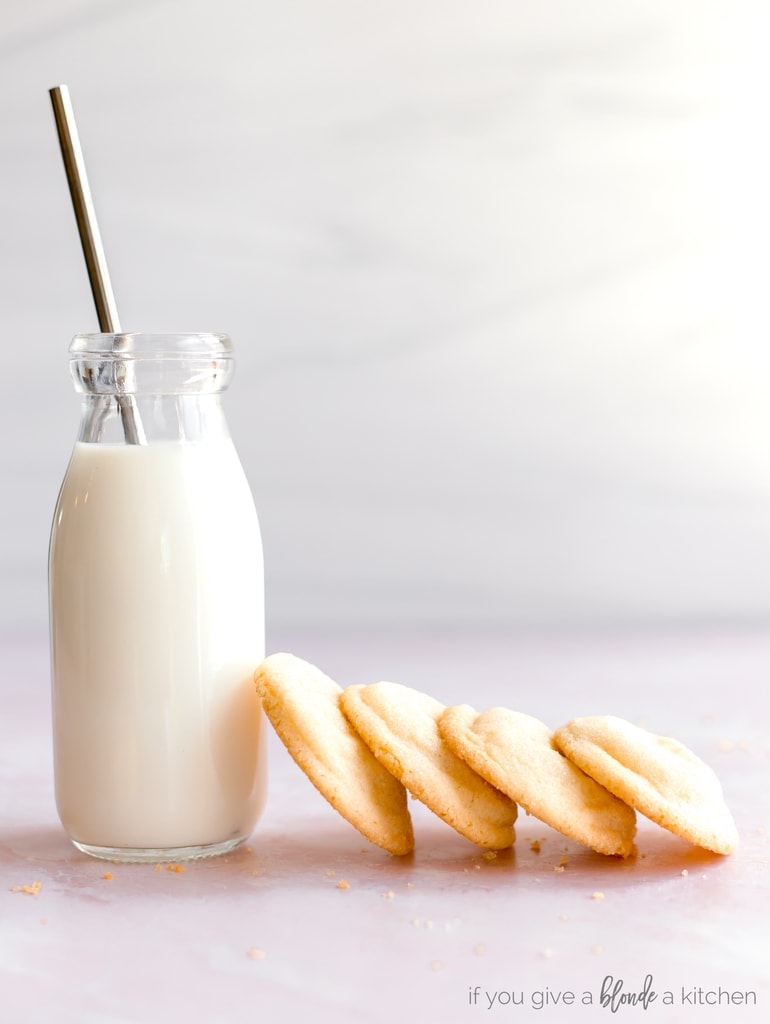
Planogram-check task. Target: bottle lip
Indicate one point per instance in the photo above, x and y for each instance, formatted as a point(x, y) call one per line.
point(151, 364)
point(131, 345)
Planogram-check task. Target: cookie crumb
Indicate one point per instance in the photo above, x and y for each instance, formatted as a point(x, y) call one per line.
point(597, 895)
point(726, 746)
point(535, 846)
point(342, 884)
point(388, 895)
point(437, 965)
point(178, 868)
point(107, 876)
point(479, 950)
point(489, 855)
point(158, 867)
point(30, 890)
point(564, 917)
point(256, 954)
point(685, 872)
point(558, 867)
point(597, 949)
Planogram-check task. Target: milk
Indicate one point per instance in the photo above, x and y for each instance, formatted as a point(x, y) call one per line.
point(157, 625)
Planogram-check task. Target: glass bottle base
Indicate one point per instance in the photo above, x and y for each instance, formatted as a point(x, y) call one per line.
point(165, 855)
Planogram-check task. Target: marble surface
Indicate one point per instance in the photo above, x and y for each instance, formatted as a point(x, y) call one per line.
point(495, 273)
point(271, 932)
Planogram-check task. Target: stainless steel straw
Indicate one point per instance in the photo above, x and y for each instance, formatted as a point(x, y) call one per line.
point(90, 238)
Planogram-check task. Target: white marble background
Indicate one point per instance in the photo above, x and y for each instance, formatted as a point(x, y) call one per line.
point(496, 273)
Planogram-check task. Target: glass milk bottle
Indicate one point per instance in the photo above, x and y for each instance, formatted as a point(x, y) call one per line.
point(157, 608)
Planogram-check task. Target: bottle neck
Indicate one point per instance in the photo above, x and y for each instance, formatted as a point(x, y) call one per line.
point(163, 417)
point(139, 388)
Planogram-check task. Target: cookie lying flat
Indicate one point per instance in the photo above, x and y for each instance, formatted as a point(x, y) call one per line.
point(514, 753)
point(399, 725)
point(657, 775)
point(303, 706)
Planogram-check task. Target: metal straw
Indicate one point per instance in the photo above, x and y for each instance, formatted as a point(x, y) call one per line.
point(90, 238)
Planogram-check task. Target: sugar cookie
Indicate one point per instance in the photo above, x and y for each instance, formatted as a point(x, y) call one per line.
point(303, 706)
point(399, 725)
point(513, 752)
point(657, 775)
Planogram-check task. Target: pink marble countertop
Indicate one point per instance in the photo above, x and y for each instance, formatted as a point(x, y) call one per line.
point(448, 933)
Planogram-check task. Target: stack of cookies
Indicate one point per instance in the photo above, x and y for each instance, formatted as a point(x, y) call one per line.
point(363, 747)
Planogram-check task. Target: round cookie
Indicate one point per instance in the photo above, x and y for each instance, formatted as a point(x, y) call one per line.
point(399, 725)
point(513, 752)
point(303, 706)
point(657, 775)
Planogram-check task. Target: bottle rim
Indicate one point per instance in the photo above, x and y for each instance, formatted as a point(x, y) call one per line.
point(151, 364)
point(130, 345)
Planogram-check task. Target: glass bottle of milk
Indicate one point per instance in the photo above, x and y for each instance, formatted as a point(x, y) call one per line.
point(157, 607)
